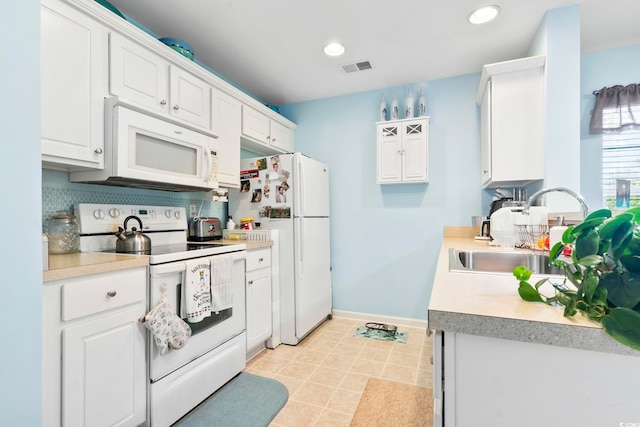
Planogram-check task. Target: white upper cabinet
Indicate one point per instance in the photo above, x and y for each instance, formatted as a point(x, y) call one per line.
point(263, 135)
point(403, 151)
point(143, 77)
point(511, 100)
point(226, 118)
point(73, 82)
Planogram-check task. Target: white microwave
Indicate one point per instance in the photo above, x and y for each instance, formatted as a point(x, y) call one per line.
point(148, 151)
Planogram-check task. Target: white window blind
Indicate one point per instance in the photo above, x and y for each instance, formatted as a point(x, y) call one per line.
point(620, 160)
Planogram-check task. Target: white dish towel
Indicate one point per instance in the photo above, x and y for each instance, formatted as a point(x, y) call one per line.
point(221, 282)
point(196, 290)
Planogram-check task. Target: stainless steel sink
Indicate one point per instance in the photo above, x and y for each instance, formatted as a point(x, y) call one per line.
point(469, 260)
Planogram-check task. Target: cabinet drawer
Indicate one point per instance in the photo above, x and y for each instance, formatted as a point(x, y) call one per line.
point(100, 292)
point(260, 258)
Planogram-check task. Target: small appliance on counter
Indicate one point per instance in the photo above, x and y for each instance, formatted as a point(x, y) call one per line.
point(205, 228)
point(481, 226)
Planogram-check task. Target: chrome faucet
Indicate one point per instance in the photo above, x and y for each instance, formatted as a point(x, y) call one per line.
point(579, 198)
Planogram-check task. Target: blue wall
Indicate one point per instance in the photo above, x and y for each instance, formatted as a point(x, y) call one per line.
point(20, 260)
point(385, 239)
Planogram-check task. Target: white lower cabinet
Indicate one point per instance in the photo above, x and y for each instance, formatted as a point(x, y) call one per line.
point(488, 381)
point(94, 369)
point(258, 283)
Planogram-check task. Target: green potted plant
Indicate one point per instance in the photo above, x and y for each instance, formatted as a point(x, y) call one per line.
point(601, 275)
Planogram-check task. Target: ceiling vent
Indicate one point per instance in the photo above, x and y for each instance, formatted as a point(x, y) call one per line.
point(358, 66)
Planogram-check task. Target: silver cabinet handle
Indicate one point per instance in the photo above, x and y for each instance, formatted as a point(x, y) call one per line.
point(163, 102)
point(260, 259)
point(111, 294)
point(176, 107)
point(251, 282)
point(98, 151)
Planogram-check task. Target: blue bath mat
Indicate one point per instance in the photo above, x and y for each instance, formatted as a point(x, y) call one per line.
point(246, 401)
point(364, 332)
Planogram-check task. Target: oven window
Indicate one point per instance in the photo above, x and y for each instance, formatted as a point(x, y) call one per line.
point(166, 156)
point(207, 322)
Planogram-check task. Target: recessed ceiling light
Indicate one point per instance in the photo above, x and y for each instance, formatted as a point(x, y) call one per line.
point(334, 49)
point(484, 14)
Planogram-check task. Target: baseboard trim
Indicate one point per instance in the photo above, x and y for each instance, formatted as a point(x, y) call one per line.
point(389, 320)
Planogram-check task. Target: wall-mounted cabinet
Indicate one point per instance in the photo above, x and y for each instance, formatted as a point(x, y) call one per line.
point(141, 76)
point(263, 135)
point(72, 62)
point(226, 118)
point(403, 151)
point(511, 100)
point(89, 54)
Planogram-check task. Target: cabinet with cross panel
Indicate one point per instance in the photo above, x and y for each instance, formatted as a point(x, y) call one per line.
point(403, 151)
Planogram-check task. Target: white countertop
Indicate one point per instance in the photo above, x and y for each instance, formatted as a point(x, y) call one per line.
point(488, 304)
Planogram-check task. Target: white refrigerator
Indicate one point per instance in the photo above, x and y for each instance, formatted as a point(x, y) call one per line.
point(290, 193)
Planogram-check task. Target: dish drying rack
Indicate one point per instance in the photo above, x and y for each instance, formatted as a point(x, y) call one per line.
point(248, 235)
point(527, 236)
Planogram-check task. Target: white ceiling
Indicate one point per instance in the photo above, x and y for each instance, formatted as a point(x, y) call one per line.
point(273, 48)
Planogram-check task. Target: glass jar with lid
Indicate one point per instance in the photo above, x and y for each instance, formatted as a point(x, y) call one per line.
point(63, 234)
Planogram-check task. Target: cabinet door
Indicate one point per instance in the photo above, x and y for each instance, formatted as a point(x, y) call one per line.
point(255, 125)
point(258, 306)
point(72, 58)
point(281, 137)
point(190, 98)
point(103, 371)
point(226, 111)
point(485, 135)
point(414, 151)
point(137, 74)
point(389, 153)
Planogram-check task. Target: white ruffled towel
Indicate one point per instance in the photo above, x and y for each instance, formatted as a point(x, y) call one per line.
point(221, 282)
point(196, 294)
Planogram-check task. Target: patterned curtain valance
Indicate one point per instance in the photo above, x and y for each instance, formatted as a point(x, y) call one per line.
point(617, 109)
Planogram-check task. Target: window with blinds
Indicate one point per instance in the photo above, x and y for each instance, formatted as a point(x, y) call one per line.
point(620, 160)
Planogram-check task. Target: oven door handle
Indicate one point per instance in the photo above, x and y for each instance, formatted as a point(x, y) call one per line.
point(176, 267)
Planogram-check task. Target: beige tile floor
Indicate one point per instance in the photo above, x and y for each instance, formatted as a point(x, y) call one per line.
point(327, 372)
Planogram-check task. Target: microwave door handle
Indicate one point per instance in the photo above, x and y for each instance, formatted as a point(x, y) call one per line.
point(207, 171)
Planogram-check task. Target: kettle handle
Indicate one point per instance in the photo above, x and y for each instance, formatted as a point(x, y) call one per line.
point(132, 217)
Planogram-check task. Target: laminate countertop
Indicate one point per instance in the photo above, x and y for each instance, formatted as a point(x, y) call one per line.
point(488, 304)
point(63, 267)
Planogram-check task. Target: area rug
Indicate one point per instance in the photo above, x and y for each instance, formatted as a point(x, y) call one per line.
point(389, 403)
point(246, 401)
point(364, 332)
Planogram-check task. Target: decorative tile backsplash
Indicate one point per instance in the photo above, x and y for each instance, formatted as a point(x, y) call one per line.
point(60, 194)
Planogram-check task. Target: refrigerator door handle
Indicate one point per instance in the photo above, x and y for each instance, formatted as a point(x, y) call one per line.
point(301, 206)
point(300, 245)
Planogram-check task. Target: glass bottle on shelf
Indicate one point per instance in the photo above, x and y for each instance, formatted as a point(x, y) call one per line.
point(383, 109)
point(395, 114)
point(408, 109)
point(422, 105)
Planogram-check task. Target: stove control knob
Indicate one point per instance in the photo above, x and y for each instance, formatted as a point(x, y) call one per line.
point(168, 213)
point(114, 213)
point(98, 214)
point(177, 214)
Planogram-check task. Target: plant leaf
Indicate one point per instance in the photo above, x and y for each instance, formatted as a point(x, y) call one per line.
point(555, 252)
point(568, 236)
point(589, 286)
point(623, 289)
point(621, 238)
point(590, 261)
point(635, 212)
point(599, 297)
point(587, 243)
point(610, 227)
point(540, 283)
point(528, 293)
point(587, 225)
point(631, 263)
point(600, 213)
point(522, 273)
point(623, 325)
